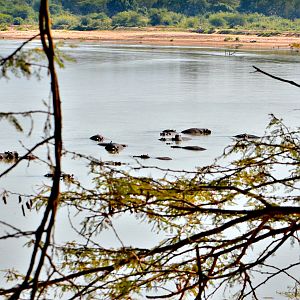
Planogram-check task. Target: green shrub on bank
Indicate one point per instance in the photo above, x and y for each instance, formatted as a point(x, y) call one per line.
point(23, 11)
point(18, 21)
point(189, 22)
point(227, 20)
point(235, 19)
point(11, 13)
point(164, 17)
point(217, 20)
point(94, 22)
point(257, 22)
point(66, 21)
point(5, 19)
point(130, 18)
point(261, 22)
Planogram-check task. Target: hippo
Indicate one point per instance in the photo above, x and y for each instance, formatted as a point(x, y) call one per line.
point(246, 136)
point(97, 138)
point(177, 138)
point(197, 131)
point(114, 147)
point(143, 156)
point(63, 176)
point(106, 144)
point(167, 132)
point(193, 148)
point(162, 139)
point(163, 158)
point(9, 156)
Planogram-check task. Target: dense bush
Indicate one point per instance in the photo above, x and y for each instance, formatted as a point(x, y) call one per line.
point(65, 21)
point(129, 19)
point(217, 20)
point(221, 7)
point(22, 11)
point(193, 14)
point(284, 8)
point(18, 21)
point(5, 19)
point(94, 22)
point(234, 19)
point(227, 20)
point(189, 22)
point(55, 9)
point(187, 7)
point(83, 7)
point(164, 17)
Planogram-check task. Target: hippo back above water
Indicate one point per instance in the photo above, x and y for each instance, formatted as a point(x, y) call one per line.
point(197, 131)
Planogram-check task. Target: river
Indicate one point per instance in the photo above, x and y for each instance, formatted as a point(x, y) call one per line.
point(130, 94)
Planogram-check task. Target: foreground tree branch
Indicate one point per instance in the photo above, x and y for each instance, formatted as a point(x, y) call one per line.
point(48, 221)
point(276, 77)
point(224, 213)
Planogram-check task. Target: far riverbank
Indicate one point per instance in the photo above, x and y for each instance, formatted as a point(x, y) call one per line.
point(153, 36)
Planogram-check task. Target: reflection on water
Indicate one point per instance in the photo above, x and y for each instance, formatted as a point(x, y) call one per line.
point(130, 94)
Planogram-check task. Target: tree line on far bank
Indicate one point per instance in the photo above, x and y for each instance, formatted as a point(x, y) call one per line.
point(206, 15)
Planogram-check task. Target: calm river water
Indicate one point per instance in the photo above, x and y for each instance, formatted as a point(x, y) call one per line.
point(131, 93)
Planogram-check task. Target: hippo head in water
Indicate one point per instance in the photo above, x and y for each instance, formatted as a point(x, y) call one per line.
point(97, 138)
point(114, 147)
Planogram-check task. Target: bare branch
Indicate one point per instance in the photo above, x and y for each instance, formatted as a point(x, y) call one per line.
point(276, 77)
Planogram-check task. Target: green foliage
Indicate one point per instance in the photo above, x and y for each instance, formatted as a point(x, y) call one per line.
point(94, 22)
point(292, 293)
point(85, 6)
point(129, 19)
point(55, 9)
point(287, 8)
point(234, 19)
point(227, 20)
point(5, 19)
point(164, 17)
point(184, 13)
point(217, 20)
point(18, 9)
point(20, 64)
point(190, 22)
point(65, 21)
point(116, 6)
point(221, 7)
point(188, 7)
point(22, 11)
point(261, 22)
point(18, 21)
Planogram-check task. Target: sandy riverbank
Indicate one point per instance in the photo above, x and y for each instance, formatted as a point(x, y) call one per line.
point(164, 37)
